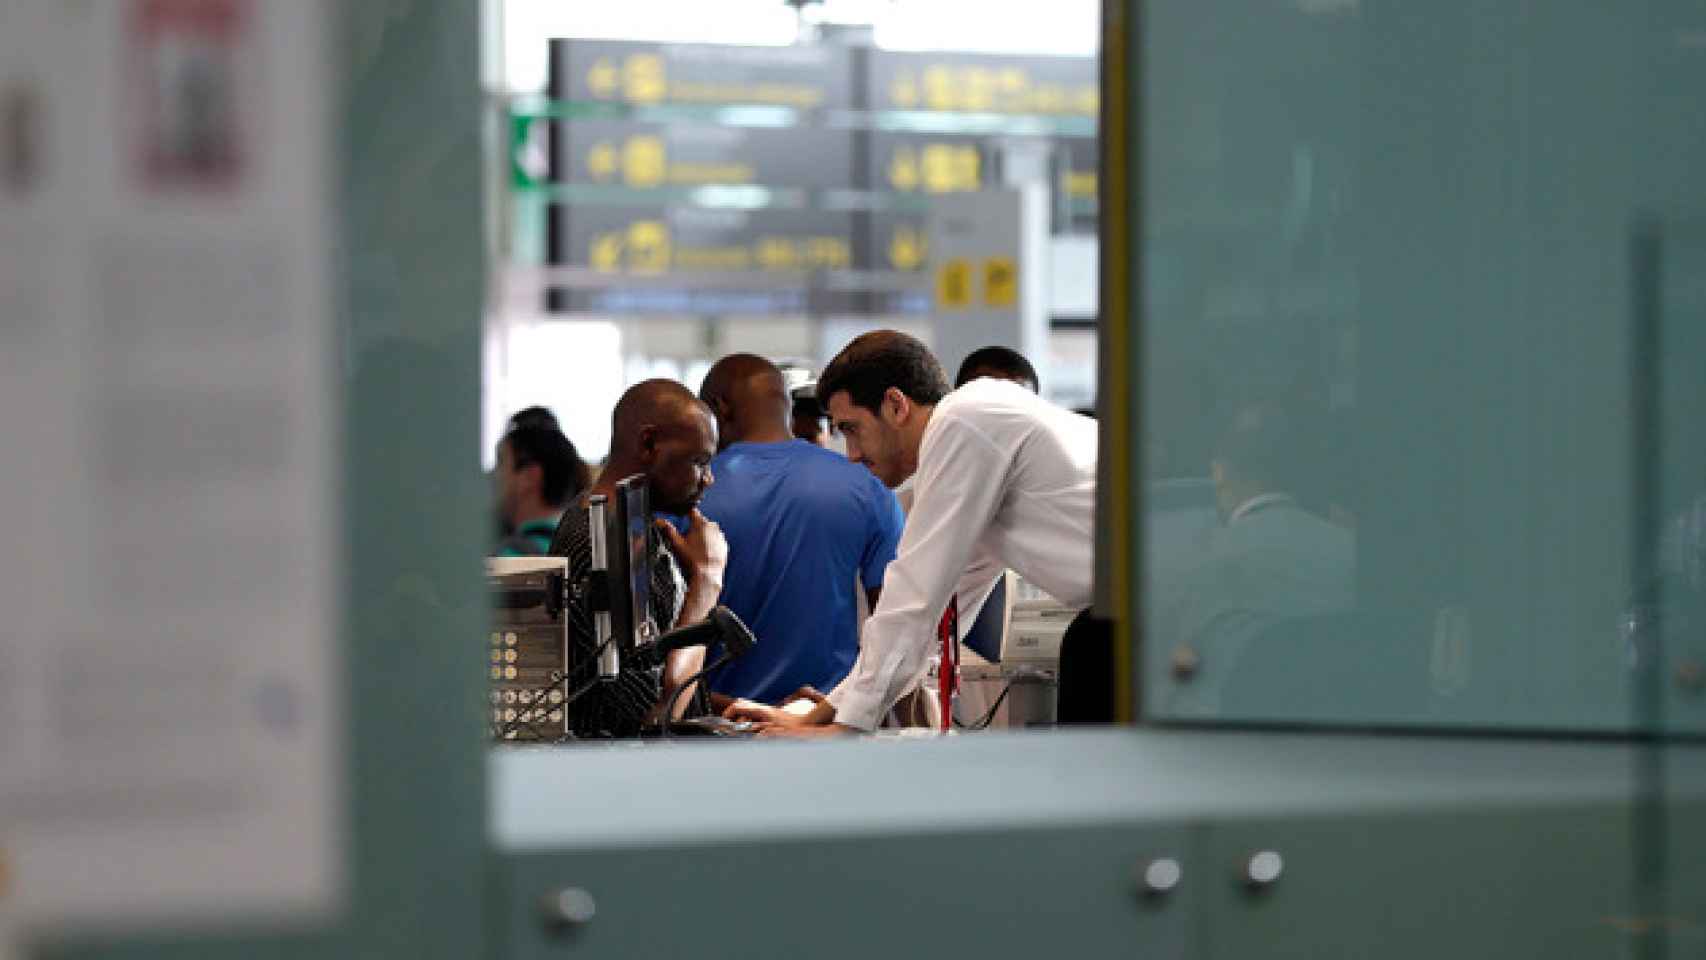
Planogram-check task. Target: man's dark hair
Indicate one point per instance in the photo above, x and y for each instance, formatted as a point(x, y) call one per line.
point(533, 417)
point(806, 405)
point(1011, 364)
point(564, 473)
point(876, 361)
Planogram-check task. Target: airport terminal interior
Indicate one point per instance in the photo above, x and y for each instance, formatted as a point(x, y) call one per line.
point(853, 478)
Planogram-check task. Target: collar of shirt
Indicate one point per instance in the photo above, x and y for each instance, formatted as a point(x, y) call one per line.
point(1256, 503)
point(545, 525)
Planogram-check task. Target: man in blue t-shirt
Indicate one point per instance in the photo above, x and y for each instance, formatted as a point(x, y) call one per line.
point(802, 523)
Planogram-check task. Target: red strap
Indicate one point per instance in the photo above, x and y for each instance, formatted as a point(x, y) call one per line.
point(948, 672)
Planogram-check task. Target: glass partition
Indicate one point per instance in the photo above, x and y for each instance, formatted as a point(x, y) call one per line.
point(1421, 362)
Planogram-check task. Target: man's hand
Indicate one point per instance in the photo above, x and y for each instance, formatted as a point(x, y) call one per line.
point(805, 708)
point(702, 553)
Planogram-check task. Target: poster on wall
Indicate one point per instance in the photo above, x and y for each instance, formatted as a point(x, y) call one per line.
point(189, 68)
point(169, 705)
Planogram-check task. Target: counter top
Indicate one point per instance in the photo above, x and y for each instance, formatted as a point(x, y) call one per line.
point(589, 796)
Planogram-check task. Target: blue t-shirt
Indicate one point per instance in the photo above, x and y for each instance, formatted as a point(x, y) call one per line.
point(801, 522)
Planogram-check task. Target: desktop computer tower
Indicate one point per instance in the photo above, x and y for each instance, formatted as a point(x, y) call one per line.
point(527, 648)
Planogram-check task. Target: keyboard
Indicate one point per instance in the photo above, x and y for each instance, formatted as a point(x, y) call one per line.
point(712, 727)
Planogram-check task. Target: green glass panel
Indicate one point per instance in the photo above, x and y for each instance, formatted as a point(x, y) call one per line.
point(1420, 359)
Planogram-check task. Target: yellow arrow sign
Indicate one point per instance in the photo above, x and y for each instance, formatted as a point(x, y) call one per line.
point(606, 252)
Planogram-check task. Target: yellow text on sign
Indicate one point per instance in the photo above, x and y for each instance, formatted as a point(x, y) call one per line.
point(938, 167)
point(648, 246)
point(906, 248)
point(643, 162)
point(643, 78)
point(645, 246)
point(953, 285)
point(1000, 282)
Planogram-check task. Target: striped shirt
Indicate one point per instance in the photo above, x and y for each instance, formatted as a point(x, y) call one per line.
point(614, 708)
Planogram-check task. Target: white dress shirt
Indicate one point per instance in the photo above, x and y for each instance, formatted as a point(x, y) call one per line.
point(1003, 474)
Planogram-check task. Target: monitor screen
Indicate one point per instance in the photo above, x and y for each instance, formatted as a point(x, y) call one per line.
point(989, 631)
point(612, 697)
point(631, 567)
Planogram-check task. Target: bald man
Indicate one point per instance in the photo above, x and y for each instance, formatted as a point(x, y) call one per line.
point(661, 431)
point(805, 527)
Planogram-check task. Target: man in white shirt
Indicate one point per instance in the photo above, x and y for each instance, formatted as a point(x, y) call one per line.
point(997, 472)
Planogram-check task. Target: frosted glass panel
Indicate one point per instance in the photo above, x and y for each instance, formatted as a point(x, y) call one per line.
point(1423, 362)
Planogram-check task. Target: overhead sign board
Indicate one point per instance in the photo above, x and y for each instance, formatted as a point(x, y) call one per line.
point(644, 74)
point(641, 241)
point(983, 83)
point(643, 156)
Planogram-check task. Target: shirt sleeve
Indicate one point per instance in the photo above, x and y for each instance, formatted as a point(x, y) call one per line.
point(886, 525)
point(959, 486)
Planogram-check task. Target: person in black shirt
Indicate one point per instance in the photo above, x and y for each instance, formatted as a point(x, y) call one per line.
point(661, 431)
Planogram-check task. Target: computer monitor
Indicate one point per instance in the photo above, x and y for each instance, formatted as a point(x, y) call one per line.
point(628, 524)
point(989, 630)
point(609, 691)
point(615, 696)
point(1019, 627)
